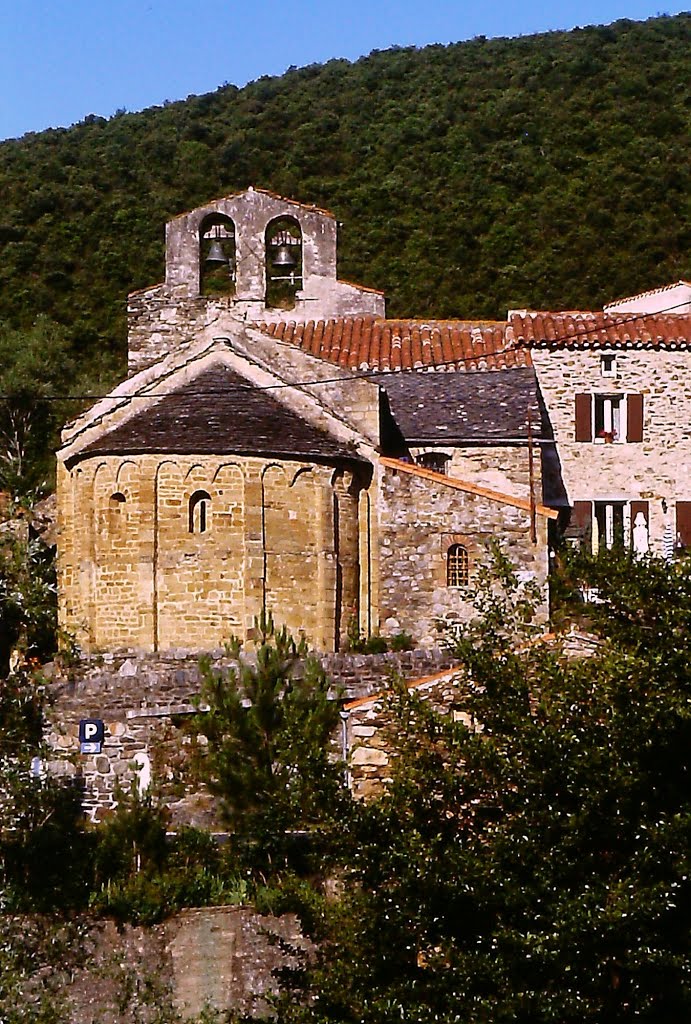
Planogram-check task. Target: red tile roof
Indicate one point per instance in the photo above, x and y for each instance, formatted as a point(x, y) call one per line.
point(366, 343)
point(651, 291)
point(599, 330)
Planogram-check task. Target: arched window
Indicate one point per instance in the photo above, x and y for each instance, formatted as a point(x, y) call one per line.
point(217, 255)
point(199, 512)
point(117, 504)
point(283, 262)
point(457, 566)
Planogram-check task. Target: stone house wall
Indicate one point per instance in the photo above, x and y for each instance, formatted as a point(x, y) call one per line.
point(499, 467)
point(655, 469)
point(419, 521)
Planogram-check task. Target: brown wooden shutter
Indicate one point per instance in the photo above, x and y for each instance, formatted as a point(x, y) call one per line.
point(584, 424)
point(582, 514)
point(634, 417)
point(684, 523)
point(640, 506)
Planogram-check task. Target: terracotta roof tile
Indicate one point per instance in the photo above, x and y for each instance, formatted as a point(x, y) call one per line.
point(366, 343)
point(599, 330)
point(651, 291)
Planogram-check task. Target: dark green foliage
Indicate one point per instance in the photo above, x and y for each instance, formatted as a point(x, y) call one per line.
point(267, 734)
point(36, 367)
point(550, 171)
point(44, 852)
point(141, 875)
point(534, 867)
point(28, 599)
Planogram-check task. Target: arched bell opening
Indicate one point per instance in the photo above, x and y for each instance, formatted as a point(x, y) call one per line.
point(283, 262)
point(217, 255)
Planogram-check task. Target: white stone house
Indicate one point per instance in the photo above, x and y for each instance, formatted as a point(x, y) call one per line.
point(616, 389)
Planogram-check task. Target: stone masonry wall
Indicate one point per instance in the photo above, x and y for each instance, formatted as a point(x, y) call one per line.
point(142, 701)
point(652, 470)
point(217, 958)
point(419, 521)
point(133, 575)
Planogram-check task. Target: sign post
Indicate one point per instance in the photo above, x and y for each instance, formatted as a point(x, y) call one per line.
point(91, 735)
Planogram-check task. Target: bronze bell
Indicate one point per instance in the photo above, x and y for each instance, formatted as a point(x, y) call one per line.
point(284, 258)
point(216, 254)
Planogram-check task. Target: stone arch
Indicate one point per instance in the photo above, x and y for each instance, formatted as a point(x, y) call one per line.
point(199, 512)
point(124, 474)
point(301, 472)
point(217, 255)
point(283, 248)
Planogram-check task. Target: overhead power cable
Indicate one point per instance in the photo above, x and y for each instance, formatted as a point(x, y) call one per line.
point(355, 375)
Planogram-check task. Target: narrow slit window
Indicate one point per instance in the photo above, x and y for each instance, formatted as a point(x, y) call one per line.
point(199, 512)
point(457, 566)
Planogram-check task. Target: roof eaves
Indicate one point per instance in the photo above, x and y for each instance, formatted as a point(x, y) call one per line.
point(414, 684)
point(463, 485)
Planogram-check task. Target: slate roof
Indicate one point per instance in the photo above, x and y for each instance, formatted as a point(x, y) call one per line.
point(600, 330)
point(438, 408)
point(219, 412)
point(367, 343)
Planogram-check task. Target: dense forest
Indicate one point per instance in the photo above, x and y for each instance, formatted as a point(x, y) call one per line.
point(549, 171)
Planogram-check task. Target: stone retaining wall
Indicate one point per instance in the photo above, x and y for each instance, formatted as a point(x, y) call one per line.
point(142, 699)
point(217, 957)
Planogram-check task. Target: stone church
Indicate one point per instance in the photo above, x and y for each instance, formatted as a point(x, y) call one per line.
point(280, 445)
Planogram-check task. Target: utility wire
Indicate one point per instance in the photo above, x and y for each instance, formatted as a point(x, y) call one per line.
point(359, 375)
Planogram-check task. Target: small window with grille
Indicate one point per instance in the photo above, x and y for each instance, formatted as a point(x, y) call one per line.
point(457, 566)
point(437, 461)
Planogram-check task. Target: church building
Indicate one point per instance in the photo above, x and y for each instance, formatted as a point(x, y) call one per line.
point(280, 445)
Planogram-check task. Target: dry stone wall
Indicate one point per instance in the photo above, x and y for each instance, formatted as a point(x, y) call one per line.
point(143, 701)
point(369, 725)
point(217, 958)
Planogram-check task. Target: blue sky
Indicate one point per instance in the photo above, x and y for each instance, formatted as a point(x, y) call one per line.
point(63, 59)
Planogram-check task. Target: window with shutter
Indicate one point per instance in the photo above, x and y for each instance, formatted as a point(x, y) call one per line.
point(683, 537)
point(634, 418)
point(584, 425)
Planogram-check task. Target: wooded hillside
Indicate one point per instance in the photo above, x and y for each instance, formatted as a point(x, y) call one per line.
point(548, 171)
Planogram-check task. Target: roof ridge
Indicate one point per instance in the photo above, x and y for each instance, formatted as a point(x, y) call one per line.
point(649, 291)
